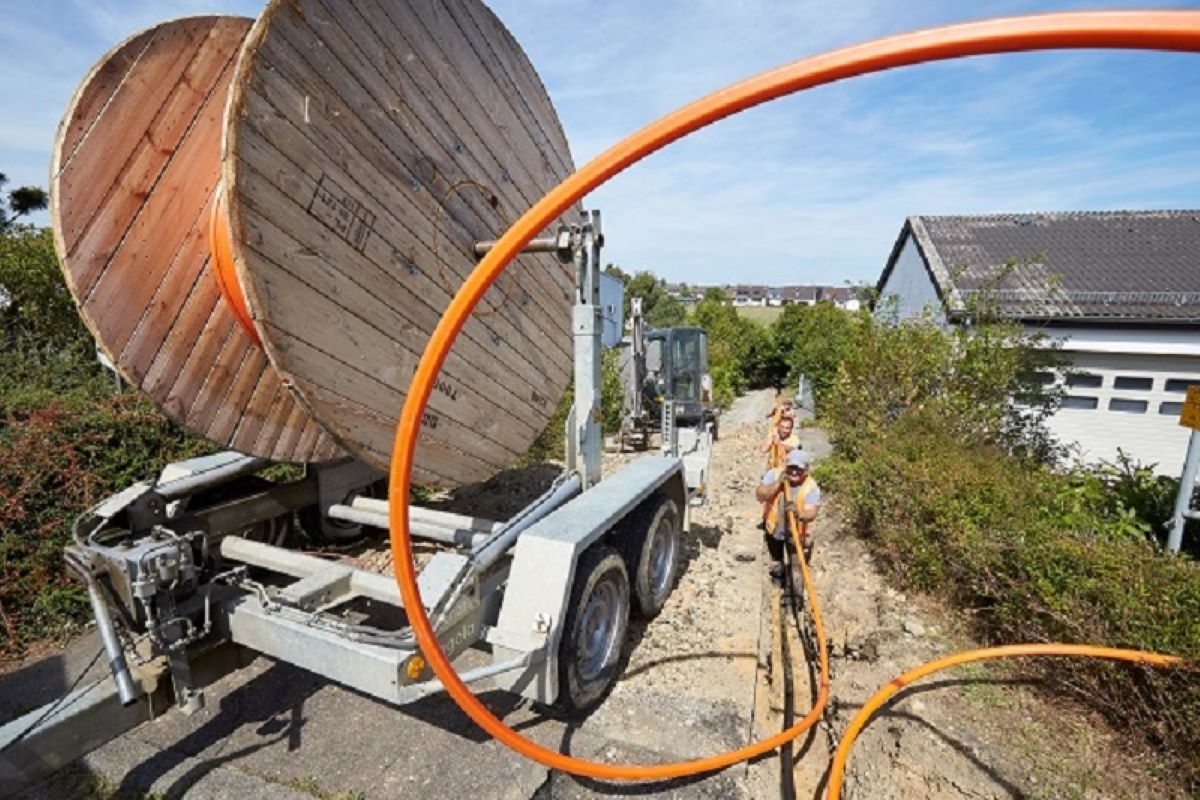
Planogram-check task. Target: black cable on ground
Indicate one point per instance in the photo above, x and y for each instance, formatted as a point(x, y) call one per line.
point(787, 784)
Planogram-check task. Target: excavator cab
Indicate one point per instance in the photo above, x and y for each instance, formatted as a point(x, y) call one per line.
point(677, 369)
point(682, 374)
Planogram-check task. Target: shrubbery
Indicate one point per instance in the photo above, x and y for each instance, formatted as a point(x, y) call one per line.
point(68, 438)
point(960, 494)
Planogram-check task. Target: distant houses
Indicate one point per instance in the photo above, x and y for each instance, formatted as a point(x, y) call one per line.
point(757, 295)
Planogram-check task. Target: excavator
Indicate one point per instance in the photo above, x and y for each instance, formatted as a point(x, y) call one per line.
point(666, 382)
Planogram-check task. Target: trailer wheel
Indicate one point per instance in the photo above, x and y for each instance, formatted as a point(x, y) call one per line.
point(593, 638)
point(650, 540)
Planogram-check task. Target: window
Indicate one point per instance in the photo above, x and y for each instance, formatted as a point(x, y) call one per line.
point(1181, 384)
point(1136, 384)
point(1076, 401)
point(1127, 406)
point(1043, 378)
point(1170, 409)
point(1085, 380)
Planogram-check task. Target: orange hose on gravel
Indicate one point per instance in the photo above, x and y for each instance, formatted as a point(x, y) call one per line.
point(1141, 30)
point(837, 774)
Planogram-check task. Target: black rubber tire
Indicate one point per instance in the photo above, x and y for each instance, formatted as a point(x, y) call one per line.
point(655, 517)
point(600, 569)
point(716, 428)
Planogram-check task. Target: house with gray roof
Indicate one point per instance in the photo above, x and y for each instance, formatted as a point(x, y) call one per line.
point(1119, 290)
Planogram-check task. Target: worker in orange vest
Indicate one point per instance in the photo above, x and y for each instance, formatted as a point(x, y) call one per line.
point(790, 489)
point(780, 441)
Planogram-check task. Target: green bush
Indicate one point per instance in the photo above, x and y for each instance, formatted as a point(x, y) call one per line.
point(739, 352)
point(68, 438)
point(1035, 556)
point(813, 341)
point(55, 462)
point(958, 492)
point(984, 382)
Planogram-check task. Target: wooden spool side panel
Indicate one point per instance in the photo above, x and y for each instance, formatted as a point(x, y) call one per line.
point(363, 165)
point(136, 164)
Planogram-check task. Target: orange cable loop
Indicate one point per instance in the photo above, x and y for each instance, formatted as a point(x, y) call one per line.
point(837, 773)
point(1142, 30)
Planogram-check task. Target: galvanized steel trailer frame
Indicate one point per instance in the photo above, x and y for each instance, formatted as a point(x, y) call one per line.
point(507, 588)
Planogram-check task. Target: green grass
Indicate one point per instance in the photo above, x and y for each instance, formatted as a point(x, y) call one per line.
point(763, 315)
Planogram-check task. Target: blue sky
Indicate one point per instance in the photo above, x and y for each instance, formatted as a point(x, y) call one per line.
point(809, 189)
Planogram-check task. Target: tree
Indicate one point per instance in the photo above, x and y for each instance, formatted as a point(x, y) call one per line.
point(667, 312)
point(737, 346)
point(22, 201)
point(616, 272)
point(812, 340)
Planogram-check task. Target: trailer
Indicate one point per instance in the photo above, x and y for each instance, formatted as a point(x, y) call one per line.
point(188, 577)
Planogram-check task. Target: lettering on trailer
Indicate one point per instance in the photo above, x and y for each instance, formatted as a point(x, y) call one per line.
point(341, 213)
point(430, 420)
point(463, 637)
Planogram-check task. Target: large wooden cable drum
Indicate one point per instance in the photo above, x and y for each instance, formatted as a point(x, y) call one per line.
point(369, 145)
point(136, 165)
point(263, 221)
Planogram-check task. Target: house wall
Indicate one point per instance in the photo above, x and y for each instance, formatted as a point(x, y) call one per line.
point(1120, 339)
point(910, 284)
point(1139, 420)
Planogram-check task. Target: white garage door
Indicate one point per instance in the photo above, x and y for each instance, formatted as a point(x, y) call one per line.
point(1127, 402)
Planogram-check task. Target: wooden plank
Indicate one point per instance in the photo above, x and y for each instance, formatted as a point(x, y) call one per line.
point(97, 90)
point(485, 162)
point(436, 465)
point(274, 228)
point(246, 437)
point(470, 397)
point(349, 134)
point(451, 422)
point(153, 102)
point(501, 156)
point(218, 382)
point(481, 24)
point(309, 436)
point(475, 62)
point(204, 311)
point(180, 196)
point(393, 259)
point(289, 437)
point(135, 166)
point(368, 338)
point(346, 173)
point(163, 310)
point(230, 413)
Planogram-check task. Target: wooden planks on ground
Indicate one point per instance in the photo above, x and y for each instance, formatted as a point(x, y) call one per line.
point(369, 144)
point(136, 164)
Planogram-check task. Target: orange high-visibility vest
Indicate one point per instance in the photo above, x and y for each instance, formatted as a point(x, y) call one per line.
point(779, 450)
point(773, 508)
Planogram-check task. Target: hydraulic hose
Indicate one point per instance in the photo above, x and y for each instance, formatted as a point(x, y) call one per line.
point(837, 773)
point(1141, 30)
